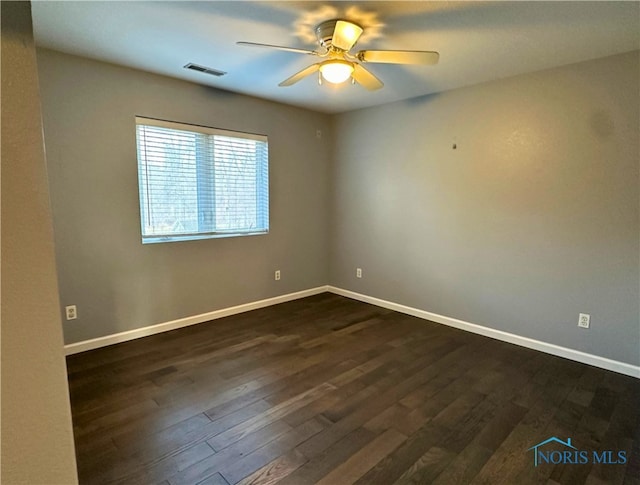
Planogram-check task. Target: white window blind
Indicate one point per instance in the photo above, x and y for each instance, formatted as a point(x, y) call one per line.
point(197, 182)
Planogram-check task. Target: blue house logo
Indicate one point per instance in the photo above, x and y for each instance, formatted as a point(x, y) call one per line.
point(545, 456)
point(573, 456)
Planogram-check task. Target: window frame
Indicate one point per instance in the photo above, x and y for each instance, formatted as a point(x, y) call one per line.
point(261, 191)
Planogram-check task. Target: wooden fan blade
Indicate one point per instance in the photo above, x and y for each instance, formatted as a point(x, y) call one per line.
point(345, 35)
point(279, 47)
point(300, 75)
point(399, 57)
point(364, 77)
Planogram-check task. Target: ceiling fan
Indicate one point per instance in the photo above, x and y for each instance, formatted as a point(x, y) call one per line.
point(336, 38)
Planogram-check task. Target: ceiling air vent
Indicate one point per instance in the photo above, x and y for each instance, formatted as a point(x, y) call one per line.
point(206, 70)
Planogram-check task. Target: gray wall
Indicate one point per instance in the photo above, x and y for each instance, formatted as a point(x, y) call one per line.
point(37, 439)
point(119, 284)
point(531, 220)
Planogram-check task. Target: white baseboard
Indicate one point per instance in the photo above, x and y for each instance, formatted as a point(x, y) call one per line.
point(578, 356)
point(185, 322)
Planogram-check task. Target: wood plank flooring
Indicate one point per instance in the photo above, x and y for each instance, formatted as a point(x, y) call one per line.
point(332, 391)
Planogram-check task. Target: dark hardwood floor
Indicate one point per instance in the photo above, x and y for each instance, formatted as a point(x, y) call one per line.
point(333, 391)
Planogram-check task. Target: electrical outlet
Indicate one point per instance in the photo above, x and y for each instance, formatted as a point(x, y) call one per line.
point(72, 312)
point(584, 320)
point(358, 272)
point(277, 275)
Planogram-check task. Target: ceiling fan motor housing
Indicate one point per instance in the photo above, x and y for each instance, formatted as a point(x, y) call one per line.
point(324, 32)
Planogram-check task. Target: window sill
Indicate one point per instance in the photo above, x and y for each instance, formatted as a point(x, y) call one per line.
point(197, 237)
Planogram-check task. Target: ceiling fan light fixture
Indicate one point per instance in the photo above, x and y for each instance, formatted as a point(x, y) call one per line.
point(336, 71)
point(336, 38)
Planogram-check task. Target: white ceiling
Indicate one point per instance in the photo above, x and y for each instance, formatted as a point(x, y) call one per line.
point(477, 41)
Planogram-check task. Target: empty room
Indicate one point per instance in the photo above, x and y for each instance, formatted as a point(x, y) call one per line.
point(257, 242)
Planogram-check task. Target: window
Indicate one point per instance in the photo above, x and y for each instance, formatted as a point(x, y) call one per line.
point(197, 182)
